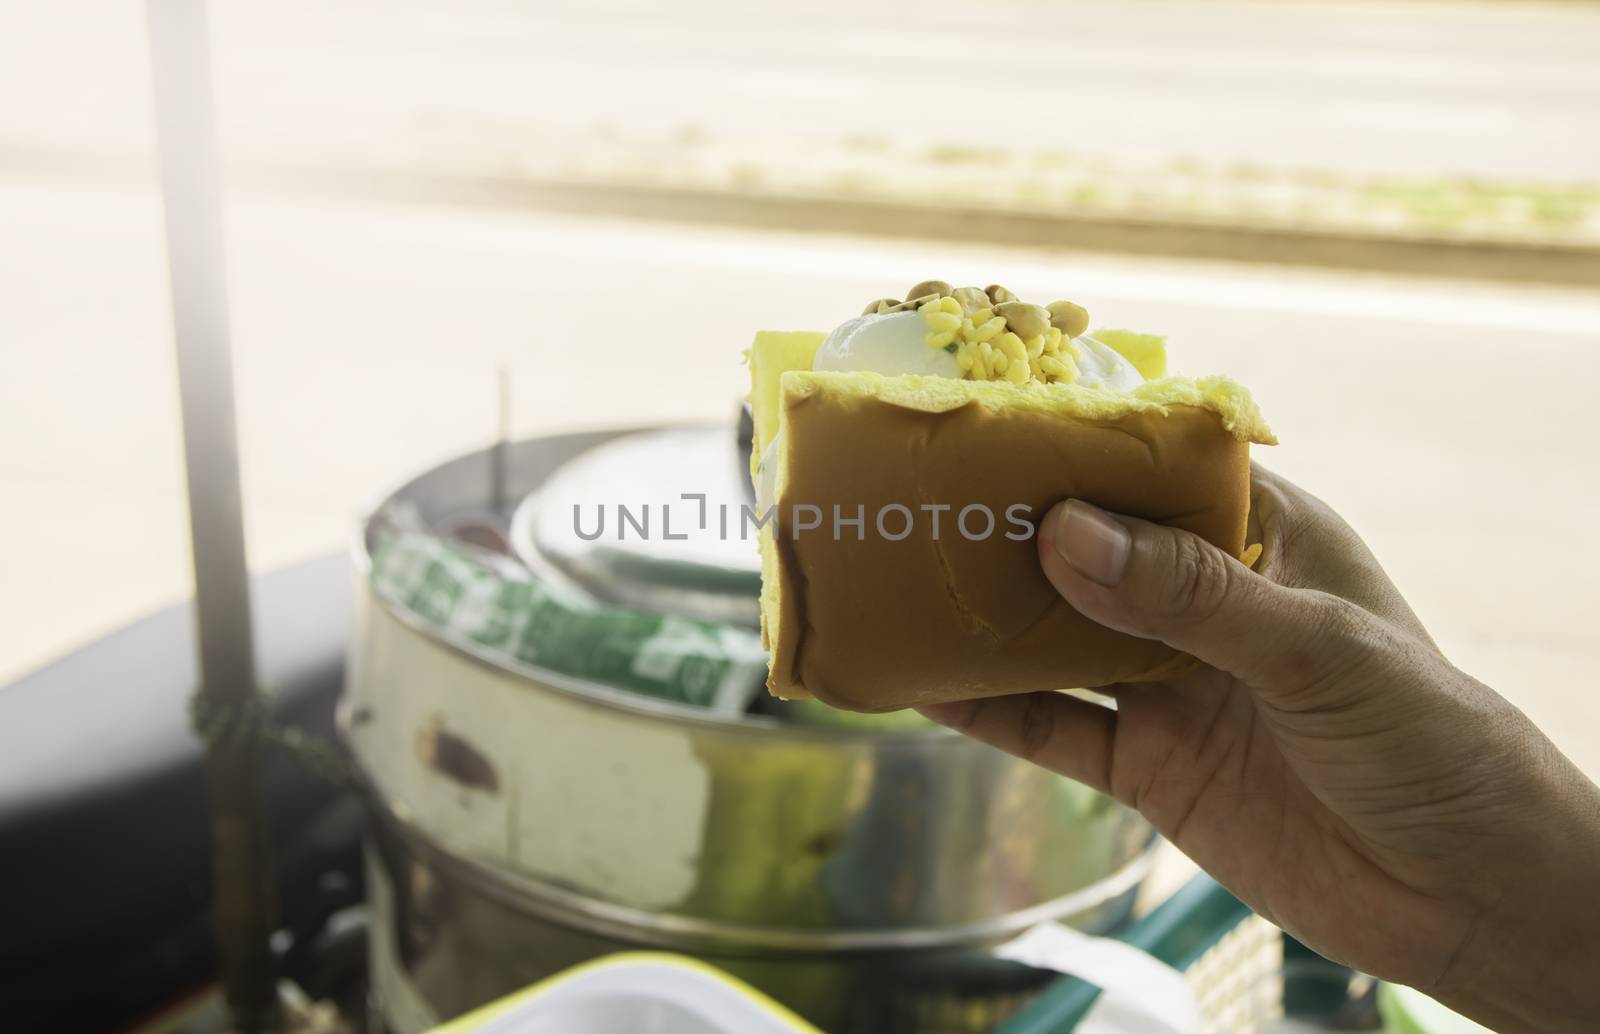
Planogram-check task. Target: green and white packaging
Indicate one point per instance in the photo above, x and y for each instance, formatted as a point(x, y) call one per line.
point(511, 613)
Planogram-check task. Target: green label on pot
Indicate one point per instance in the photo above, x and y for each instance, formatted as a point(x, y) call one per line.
point(510, 613)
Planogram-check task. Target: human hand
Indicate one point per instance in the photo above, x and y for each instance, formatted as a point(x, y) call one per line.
point(1325, 762)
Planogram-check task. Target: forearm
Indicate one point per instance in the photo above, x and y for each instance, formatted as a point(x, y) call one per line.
point(1532, 960)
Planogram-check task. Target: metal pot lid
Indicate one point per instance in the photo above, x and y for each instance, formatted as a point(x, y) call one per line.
point(626, 522)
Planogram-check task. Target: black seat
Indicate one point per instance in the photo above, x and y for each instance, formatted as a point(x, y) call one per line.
point(104, 838)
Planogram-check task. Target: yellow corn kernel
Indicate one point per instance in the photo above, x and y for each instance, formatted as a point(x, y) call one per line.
point(928, 307)
point(988, 328)
point(1018, 373)
point(1052, 340)
point(951, 306)
point(1054, 367)
point(965, 333)
point(982, 316)
point(1035, 371)
point(943, 322)
point(965, 354)
point(1011, 346)
point(998, 364)
point(1035, 346)
point(940, 338)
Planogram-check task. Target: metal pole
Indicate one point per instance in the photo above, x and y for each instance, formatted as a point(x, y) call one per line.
point(245, 897)
point(502, 440)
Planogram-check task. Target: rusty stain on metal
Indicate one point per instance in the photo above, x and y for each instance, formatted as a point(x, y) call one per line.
point(455, 758)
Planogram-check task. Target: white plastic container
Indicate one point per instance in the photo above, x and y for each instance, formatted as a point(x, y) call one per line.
point(630, 993)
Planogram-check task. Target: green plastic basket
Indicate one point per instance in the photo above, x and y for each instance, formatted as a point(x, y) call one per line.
point(1233, 960)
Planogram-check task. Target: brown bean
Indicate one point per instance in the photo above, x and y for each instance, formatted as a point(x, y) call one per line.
point(998, 294)
point(971, 298)
point(1027, 321)
point(1070, 318)
point(937, 288)
point(879, 306)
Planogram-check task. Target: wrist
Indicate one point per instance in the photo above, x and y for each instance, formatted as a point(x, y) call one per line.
point(1529, 958)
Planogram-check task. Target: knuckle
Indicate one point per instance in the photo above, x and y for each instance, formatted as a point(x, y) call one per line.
point(1197, 581)
point(1355, 634)
point(1035, 726)
point(1333, 618)
point(1340, 643)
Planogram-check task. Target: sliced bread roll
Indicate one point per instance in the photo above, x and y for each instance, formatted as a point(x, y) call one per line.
point(937, 594)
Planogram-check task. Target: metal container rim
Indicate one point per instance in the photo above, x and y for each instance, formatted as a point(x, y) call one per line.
point(598, 696)
point(554, 903)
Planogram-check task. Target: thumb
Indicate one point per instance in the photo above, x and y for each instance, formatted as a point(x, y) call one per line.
point(1164, 583)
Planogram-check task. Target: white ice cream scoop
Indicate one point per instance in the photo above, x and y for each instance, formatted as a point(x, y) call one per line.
point(890, 344)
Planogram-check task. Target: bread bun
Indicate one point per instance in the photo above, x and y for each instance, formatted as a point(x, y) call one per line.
point(894, 613)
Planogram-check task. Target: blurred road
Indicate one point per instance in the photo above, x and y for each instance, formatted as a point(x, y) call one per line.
point(1453, 424)
point(1490, 89)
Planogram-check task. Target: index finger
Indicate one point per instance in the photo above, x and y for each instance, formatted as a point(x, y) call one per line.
point(1063, 733)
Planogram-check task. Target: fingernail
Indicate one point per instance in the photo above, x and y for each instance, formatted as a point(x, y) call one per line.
point(1093, 542)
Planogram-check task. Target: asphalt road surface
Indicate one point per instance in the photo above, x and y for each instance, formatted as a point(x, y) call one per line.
point(1451, 423)
point(1504, 90)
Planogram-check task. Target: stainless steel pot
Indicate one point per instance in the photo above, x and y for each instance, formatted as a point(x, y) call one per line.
point(525, 821)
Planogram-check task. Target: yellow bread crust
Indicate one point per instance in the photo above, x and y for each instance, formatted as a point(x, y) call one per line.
point(1147, 352)
point(1230, 401)
point(774, 353)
